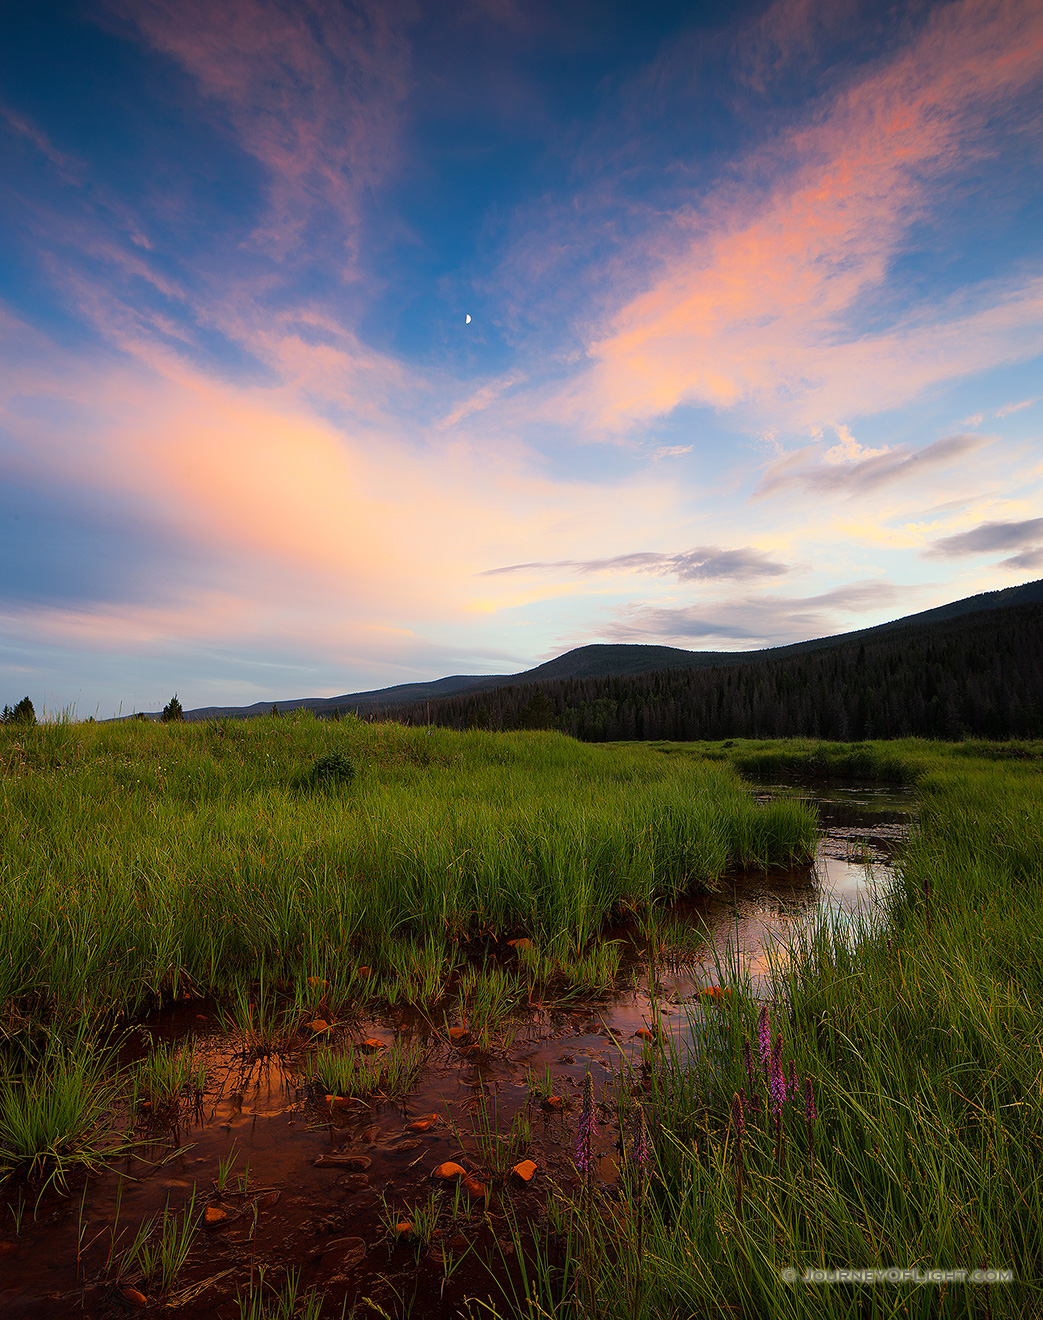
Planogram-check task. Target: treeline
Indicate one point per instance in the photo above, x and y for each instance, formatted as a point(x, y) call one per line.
point(979, 675)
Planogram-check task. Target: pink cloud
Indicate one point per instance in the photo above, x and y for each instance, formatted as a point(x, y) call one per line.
point(752, 306)
point(314, 91)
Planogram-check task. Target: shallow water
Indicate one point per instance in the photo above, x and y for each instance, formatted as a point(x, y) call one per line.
point(258, 1122)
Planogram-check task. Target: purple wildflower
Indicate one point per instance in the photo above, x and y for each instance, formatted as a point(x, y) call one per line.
point(776, 1077)
point(588, 1127)
point(764, 1035)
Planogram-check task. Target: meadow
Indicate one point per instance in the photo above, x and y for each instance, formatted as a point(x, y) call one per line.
point(884, 1109)
point(142, 862)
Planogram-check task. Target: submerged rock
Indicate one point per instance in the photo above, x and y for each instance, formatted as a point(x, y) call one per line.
point(338, 1160)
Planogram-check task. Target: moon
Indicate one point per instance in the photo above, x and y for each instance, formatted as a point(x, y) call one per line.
point(467, 319)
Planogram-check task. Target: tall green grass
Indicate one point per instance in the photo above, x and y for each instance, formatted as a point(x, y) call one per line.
point(922, 1040)
point(134, 855)
point(141, 860)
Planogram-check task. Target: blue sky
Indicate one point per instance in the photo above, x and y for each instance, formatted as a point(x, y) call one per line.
point(754, 355)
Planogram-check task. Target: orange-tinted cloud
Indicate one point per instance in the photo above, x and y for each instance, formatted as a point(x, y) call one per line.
point(757, 307)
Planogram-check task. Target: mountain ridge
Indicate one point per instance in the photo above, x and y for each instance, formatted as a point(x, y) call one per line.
point(606, 660)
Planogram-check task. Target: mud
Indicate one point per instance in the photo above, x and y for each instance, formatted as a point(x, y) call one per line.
point(345, 1194)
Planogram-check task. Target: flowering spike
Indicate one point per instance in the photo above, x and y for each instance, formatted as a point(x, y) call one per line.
point(776, 1077)
point(588, 1127)
point(764, 1035)
point(747, 1060)
point(642, 1147)
point(738, 1118)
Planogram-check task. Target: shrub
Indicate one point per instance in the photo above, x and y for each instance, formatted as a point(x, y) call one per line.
point(334, 770)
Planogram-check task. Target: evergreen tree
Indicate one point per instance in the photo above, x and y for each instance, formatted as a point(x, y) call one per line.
point(172, 711)
point(23, 713)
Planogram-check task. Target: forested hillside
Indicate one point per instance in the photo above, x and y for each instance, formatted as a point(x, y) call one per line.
point(979, 674)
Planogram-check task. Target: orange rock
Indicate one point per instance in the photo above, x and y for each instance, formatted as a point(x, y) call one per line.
point(449, 1171)
point(364, 971)
point(553, 1102)
point(643, 1033)
point(404, 1229)
point(215, 1215)
point(424, 1124)
point(459, 1035)
point(317, 1027)
point(267, 1202)
point(134, 1297)
point(338, 1102)
point(525, 1170)
point(372, 1045)
point(519, 944)
point(475, 1189)
point(715, 992)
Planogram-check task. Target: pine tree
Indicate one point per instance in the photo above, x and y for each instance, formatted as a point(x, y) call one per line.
point(172, 711)
point(23, 713)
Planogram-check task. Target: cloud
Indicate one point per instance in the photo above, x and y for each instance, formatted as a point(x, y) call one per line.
point(315, 92)
point(1009, 408)
point(707, 561)
point(1028, 559)
point(670, 451)
point(989, 537)
point(757, 620)
point(810, 470)
point(758, 293)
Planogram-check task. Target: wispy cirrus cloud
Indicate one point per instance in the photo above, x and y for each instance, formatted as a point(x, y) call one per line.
point(756, 303)
point(702, 562)
point(811, 470)
point(313, 91)
point(1009, 408)
point(755, 620)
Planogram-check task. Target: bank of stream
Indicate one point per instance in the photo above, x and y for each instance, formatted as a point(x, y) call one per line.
point(285, 1178)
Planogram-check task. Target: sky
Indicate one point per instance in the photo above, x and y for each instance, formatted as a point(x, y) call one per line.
point(755, 348)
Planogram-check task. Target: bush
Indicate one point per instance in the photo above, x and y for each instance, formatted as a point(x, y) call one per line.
point(23, 713)
point(172, 711)
point(334, 770)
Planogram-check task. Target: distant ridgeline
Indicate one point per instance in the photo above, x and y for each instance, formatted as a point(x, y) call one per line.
point(933, 675)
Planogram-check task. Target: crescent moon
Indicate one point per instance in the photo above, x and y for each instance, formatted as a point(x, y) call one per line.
point(467, 319)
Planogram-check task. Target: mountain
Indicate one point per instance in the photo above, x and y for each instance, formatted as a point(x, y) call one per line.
point(976, 674)
point(616, 661)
